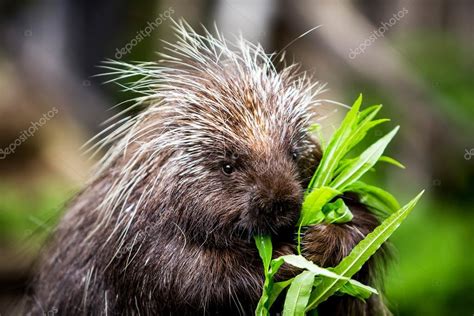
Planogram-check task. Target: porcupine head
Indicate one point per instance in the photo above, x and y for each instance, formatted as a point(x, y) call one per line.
point(222, 148)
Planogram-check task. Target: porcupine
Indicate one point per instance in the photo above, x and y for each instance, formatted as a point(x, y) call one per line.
point(220, 152)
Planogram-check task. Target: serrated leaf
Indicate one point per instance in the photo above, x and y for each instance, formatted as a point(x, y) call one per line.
point(360, 254)
point(298, 294)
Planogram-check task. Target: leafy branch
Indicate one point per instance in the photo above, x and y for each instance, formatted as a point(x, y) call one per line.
point(336, 174)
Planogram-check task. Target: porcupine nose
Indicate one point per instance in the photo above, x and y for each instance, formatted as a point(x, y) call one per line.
point(280, 206)
point(276, 196)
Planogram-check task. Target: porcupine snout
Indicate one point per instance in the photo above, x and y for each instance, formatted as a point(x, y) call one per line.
point(275, 200)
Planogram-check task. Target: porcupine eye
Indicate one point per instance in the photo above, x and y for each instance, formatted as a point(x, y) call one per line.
point(227, 168)
point(294, 155)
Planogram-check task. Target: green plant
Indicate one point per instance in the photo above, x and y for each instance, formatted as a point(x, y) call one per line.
point(336, 174)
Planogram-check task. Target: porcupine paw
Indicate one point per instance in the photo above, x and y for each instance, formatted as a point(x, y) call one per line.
point(327, 244)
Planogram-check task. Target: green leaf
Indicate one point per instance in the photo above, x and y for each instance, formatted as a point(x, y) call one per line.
point(271, 267)
point(375, 198)
point(264, 246)
point(392, 161)
point(277, 288)
point(369, 113)
point(336, 148)
point(364, 124)
point(313, 204)
point(311, 211)
point(262, 306)
point(362, 292)
point(303, 263)
point(342, 165)
point(336, 174)
point(337, 212)
point(362, 130)
point(262, 309)
point(275, 266)
point(298, 294)
point(363, 163)
point(360, 254)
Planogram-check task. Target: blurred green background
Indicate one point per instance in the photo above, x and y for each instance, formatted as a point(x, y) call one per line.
point(415, 57)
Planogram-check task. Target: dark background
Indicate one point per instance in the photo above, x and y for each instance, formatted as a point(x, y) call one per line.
point(422, 70)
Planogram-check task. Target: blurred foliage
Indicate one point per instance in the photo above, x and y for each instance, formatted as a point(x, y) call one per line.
point(29, 215)
point(433, 274)
point(448, 68)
